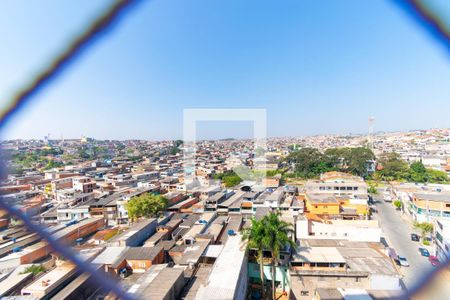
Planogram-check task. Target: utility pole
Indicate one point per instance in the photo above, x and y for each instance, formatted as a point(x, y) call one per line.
point(370, 132)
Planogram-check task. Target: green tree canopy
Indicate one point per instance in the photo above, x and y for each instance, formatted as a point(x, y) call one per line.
point(424, 227)
point(310, 162)
point(418, 172)
point(229, 178)
point(393, 167)
point(146, 205)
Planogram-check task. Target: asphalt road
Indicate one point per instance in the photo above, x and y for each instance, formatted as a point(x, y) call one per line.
point(397, 234)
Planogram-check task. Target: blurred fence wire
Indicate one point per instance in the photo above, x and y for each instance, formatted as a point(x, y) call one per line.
point(415, 8)
point(95, 30)
point(86, 39)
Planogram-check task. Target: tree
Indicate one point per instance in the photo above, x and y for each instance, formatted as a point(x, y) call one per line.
point(255, 237)
point(176, 147)
point(229, 178)
point(398, 204)
point(425, 228)
point(146, 205)
point(418, 172)
point(357, 160)
point(53, 164)
point(437, 176)
point(309, 162)
point(276, 239)
point(372, 188)
point(393, 167)
point(35, 269)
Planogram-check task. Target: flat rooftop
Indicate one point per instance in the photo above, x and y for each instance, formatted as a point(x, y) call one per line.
point(199, 279)
point(224, 277)
point(322, 198)
point(52, 280)
point(318, 255)
point(162, 283)
point(438, 197)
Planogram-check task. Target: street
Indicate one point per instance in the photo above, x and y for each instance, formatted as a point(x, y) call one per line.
point(397, 234)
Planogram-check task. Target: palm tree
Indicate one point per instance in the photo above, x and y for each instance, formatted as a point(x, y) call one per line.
point(255, 237)
point(276, 239)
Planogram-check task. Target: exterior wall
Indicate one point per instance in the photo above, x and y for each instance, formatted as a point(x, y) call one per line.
point(14, 189)
point(137, 238)
point(40, 251)
point(442, 238)
point(359, 188)
point(240, 292)
point(311, 283)
point(68, 214)
point(323, 209)
point(139, 266)
point(384, 282)
point(282, 274)
point(360, 205)
point(427, 211)
point(433, 205)
point(4, 223)
point(31, 209)
point(59, 184)
point(122, 213)
point(83, 231)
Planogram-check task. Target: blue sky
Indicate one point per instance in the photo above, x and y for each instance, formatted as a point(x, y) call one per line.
point(317, 67)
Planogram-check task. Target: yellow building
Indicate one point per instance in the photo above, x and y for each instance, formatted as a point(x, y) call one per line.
point(336, 207)
point(322, 204)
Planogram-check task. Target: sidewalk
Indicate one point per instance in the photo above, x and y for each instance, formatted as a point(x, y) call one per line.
point(406, 217)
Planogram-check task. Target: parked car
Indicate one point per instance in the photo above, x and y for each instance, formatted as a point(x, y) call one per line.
point(424, 252)
point(125, 272)
point(402, 261)
point(387, 198)
point(414, 237)
point(433, 260)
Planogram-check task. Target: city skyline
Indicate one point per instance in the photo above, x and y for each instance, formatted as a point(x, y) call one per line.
point(375, 133)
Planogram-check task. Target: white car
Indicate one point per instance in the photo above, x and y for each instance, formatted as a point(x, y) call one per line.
point(402, 261)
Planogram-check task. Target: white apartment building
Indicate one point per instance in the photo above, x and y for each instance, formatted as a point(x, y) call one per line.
point(351, 230)
point(442, 238)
